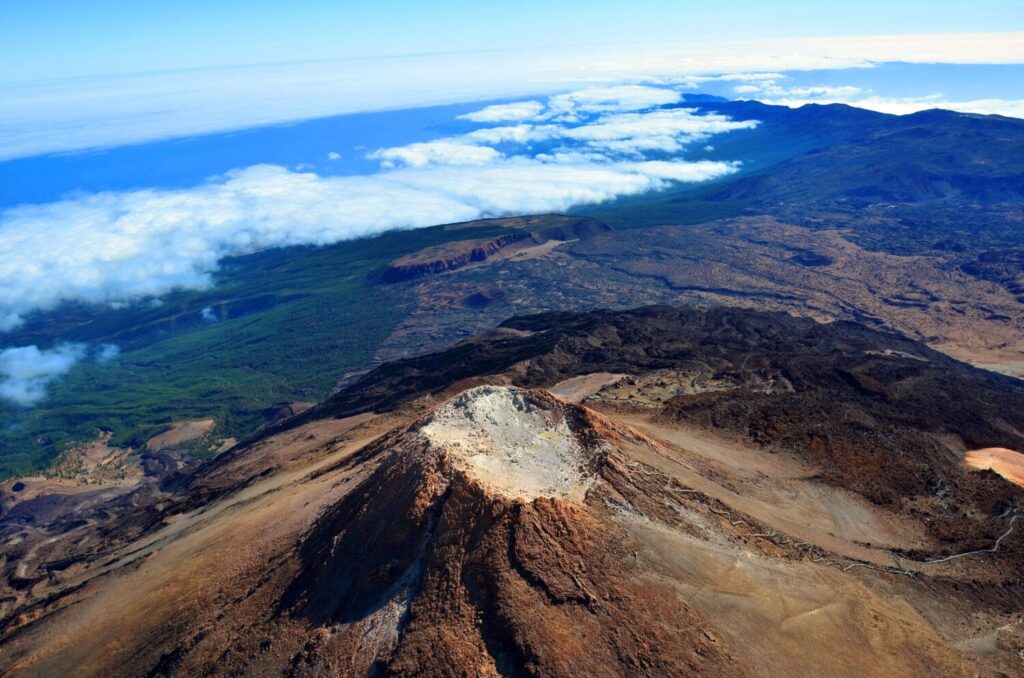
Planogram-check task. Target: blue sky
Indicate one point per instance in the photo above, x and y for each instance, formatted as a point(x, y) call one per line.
point(67, 38)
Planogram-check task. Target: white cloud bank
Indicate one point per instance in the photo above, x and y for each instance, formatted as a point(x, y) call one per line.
point(446, 152)
point(612, 121)
point(119, 247)
point(75, 114)
point(26, 371)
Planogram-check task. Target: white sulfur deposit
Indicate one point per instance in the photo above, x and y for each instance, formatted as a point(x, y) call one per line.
point(510, 444)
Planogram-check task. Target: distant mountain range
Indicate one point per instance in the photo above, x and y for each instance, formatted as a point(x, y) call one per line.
point(867, 158)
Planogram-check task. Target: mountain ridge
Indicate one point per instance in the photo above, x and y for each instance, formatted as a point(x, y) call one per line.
point(395, 529)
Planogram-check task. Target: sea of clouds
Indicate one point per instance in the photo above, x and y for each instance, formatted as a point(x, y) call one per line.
point(118, 247)
point(532, 156)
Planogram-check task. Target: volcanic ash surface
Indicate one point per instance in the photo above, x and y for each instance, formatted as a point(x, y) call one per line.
point(510, 443)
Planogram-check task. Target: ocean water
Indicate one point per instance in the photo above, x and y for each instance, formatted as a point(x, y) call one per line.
point(184, 162)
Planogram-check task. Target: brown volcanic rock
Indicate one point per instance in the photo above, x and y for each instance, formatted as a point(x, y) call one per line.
point(446, 573)
point(879, 414)
point(434, 260)
point(444, 516)
point(525, 230)
point(762, 263)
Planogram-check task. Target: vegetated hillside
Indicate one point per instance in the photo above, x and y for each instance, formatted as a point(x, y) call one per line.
point(273, 310)
point(669, 491)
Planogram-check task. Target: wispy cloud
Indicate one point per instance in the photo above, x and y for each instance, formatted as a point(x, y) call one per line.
point(107, 352)
point(571, 107)
point(520, 110)
point(593, 118)
point(119, 247)
point(444, 152)
point(609, 100)
point(27, 371)
point(665, 130)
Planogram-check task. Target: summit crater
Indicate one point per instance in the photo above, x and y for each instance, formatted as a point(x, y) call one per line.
point(512, 441)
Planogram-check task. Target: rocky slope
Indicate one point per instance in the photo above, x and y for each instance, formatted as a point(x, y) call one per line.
point(945, 277)
point(526, 232)
point(718, 492)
